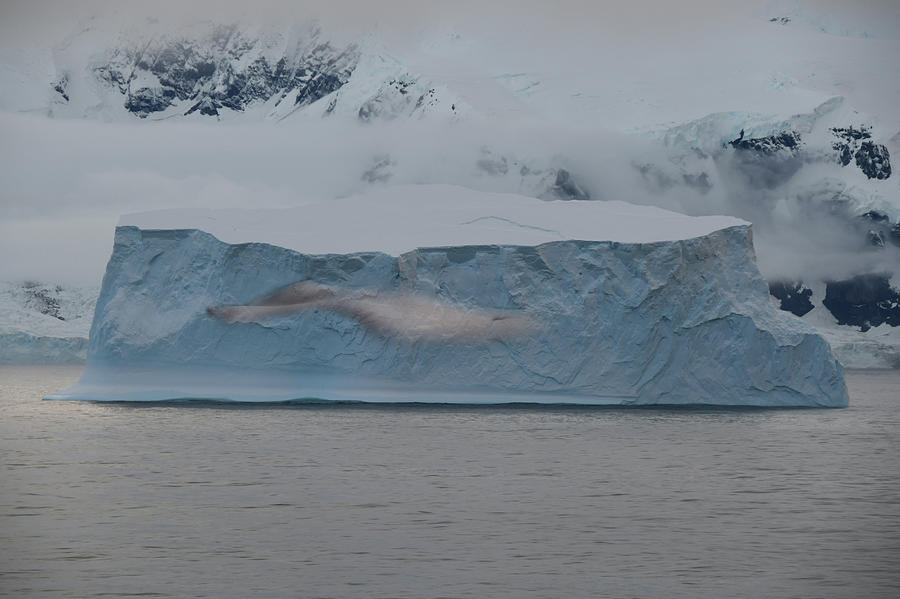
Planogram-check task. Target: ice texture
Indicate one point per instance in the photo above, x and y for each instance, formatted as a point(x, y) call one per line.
point(677, 321)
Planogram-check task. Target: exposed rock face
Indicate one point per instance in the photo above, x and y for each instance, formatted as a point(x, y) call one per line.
point(145, 100)
point(873, 159)
point(858, 316)
point(225, 69)
point(566, 188)
point(396, 98)
point(792, 295)
point(772, 144)
point(62, 87)
point(405, 96)
point(864, 301)
point(850, 136)
point(43, 299)
point(206, 106)
point(768, 161)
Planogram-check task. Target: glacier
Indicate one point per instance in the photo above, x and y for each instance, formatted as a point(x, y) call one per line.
point(633, 305)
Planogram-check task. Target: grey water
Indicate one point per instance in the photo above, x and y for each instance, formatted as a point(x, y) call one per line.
point(218, 500)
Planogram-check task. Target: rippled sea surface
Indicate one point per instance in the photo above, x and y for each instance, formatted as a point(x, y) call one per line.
point(216, 500)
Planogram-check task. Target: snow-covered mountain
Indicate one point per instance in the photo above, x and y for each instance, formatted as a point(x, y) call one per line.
point(219, 69)
point(44, 324)
point(231, 72)
point(784, 116)
point(824, 178)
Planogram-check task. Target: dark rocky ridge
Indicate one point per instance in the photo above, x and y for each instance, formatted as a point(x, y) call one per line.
point(62, 87)
point(566, 188)
point(793, 296)
point(865, 301)
point(401, 97)
point(224, 70)
point(40, 298)
point(769, 161)
point(873, 159)
point(771, 144)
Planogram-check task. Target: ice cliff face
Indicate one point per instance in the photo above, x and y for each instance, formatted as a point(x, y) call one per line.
point(686, 321)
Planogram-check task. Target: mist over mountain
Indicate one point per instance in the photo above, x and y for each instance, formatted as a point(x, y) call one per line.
point(781, 113)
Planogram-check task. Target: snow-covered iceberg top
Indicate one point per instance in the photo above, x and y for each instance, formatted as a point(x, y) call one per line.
point(394, 220)
point(441, 294)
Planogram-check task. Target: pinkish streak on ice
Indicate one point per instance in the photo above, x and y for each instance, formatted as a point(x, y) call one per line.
point(391, 314)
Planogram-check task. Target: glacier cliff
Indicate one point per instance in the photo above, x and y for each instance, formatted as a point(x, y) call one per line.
point(653, 308)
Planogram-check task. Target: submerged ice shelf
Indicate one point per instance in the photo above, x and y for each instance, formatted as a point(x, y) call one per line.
point(626, 304)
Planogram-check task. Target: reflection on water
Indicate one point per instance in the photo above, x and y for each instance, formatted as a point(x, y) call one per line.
point(224, 500)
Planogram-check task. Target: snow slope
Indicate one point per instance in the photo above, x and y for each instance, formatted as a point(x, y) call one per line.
point(626, 305)
point(44, 324)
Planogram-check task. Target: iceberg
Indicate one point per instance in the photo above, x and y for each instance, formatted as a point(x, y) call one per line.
point(610, 303)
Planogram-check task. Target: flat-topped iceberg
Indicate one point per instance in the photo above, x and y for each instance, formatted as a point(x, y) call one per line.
point(442, 294)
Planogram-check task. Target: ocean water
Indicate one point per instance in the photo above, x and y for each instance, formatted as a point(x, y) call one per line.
point(215, 500)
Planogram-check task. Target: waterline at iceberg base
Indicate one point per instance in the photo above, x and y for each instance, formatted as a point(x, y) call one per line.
point(623, 304)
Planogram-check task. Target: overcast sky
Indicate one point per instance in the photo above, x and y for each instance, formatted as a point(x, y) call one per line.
point(24, 21)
